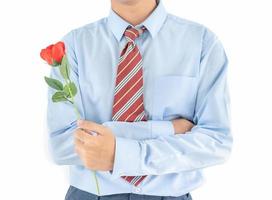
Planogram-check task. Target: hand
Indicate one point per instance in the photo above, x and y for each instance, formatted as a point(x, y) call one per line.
point(96, 151)
point(182, 125)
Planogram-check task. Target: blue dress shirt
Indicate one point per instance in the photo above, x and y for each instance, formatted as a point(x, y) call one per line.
point(184, 73)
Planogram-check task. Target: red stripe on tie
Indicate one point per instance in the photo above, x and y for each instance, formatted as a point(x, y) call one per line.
point(136, 32)
point(128, 178)
point(126, 97)
point(130, 110)
point(127, 58)
point(134, 109)
point(129, 84)
point(140, 180)
point(127, 68)
point(139, 107)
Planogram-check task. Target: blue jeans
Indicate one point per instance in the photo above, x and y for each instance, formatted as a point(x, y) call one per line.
point(74, 193)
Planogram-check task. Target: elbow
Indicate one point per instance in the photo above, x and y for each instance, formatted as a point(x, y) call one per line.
point(56, 154)
point(61, 155)
point(57, 161)
point(56, 157)
point(225, 149)
point(61, 159)
point(61, 146)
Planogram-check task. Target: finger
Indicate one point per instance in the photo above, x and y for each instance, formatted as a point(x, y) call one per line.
point(82, 135)
point(189, 122)
point(85, 137)
point(91, 126)
point(87, 131)
point(79, 146)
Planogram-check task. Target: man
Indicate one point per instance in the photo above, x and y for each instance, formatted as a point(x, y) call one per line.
point(153, 88)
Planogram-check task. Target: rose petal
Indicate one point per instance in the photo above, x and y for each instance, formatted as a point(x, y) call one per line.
point(50, 47)
point(46, 54)
point(58, 51)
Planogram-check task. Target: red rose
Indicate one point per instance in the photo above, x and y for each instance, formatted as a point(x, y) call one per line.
point(53, 53)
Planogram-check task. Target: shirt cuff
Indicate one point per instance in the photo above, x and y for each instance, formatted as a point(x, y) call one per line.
point(127, 158)
point(162, 128)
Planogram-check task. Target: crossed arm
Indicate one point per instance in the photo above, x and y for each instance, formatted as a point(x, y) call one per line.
point(63, 142)
point(152, 146)
point(98, 152)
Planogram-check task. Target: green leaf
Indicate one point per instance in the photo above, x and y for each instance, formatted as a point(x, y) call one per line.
point(73, 89)
point(54, 83)
point(64, 68)
point(59, 96)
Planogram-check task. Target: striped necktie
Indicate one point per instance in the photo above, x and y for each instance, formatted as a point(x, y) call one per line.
point(128, 95)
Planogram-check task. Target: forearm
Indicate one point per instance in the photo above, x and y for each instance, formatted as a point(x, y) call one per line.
point(198, 148)
point(141, 130)
point(208, 143)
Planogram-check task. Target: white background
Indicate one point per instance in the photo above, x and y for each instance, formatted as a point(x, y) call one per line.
point(26, 26)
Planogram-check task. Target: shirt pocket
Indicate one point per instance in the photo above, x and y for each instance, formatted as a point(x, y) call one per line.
point(173, 97)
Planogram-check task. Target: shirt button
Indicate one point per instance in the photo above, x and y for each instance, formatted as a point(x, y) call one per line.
point(137, 189)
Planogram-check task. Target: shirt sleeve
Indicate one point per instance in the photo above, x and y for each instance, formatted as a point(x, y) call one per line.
point(141, 130)
point(208, 143)
point(61, 116)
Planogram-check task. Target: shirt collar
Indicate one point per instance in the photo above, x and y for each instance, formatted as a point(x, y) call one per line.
point(153, 22)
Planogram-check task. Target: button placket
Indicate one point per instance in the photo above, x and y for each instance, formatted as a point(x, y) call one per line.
point(137, 189)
